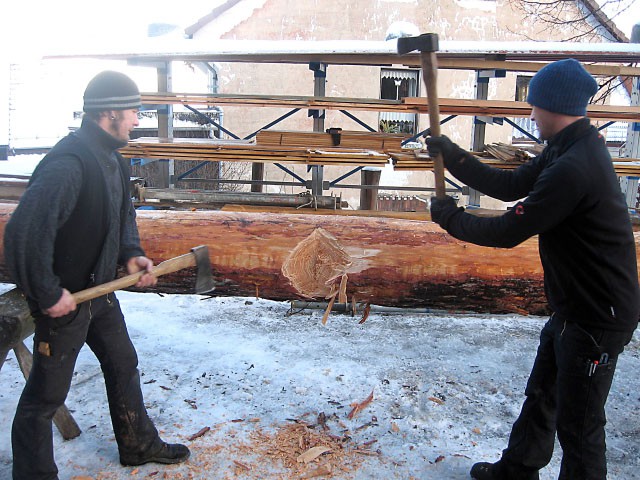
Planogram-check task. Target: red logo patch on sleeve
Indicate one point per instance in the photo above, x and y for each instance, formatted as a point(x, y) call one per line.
point(519, 210)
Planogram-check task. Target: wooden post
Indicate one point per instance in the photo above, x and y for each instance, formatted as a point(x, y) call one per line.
point(369, 196)
point(257, 173)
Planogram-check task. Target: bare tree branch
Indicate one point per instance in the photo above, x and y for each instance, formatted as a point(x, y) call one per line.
point(568, 18)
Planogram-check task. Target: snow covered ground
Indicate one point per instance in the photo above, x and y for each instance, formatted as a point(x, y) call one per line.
point(269, 384)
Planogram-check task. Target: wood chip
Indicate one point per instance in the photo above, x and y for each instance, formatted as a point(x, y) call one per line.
point(198, 434)
point(241, 465)
point(358, 407)
point(365, 314)
point(325, 317)
point(321, 471)
point(342, 295)
point(312, 454)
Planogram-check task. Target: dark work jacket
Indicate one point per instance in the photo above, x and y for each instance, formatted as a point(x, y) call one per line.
point(63, 234)
point(575, 205)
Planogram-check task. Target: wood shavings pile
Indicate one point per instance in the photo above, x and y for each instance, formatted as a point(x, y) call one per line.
point(296, 450)
point(309, 453)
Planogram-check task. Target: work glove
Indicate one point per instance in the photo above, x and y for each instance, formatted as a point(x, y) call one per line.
point(442, 209)
point(450, 151)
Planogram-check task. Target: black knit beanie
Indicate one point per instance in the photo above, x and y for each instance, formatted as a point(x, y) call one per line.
point(111, 91)
point(563, 87)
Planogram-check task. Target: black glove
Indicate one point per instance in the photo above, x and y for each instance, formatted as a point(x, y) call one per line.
point(450, 151)
point(442, 209)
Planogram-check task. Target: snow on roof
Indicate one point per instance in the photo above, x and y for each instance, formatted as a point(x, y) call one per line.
point(292, 51)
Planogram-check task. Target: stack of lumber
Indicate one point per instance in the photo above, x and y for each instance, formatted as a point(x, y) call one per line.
point(627, 166)
point(499, 155)
point(333, 138)
point(420, 160)
point(513, 153)
point(245, 151)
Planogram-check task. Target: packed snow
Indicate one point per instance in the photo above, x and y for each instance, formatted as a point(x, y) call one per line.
point(236, 372)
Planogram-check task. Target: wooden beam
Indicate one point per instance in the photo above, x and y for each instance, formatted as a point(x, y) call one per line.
point(392, 262)
point(448, 106)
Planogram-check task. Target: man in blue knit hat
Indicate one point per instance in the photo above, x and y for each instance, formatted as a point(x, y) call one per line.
point(570, 197)
point(73, 226)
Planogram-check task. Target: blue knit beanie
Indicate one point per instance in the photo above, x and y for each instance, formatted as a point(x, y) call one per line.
point(562, 87)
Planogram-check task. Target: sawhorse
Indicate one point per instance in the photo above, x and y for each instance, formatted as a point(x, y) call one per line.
point(16, 324)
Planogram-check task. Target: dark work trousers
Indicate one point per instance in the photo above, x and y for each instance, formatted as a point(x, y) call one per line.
point(566, 394)
point(101, 325)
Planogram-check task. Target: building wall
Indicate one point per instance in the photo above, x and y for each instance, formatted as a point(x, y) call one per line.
point(315, 20)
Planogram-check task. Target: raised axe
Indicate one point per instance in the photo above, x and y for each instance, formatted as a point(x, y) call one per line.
point(198, 257)
point(427, 45)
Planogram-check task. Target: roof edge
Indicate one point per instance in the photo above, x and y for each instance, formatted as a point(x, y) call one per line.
point(604, 20)
point(216, 12)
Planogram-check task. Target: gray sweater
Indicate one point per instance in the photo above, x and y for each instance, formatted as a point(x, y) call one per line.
point(55, 211)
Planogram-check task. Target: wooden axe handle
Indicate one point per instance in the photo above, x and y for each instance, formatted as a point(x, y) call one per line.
point(168, 266)
point(430, 76)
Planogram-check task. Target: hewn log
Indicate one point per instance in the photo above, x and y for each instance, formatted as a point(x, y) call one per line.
point(392, 262)
point(388, 261)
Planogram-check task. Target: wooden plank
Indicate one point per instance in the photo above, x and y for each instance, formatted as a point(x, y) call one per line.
point(214, 150)
point(448, 106)
point(344, 138)
point(420, 160)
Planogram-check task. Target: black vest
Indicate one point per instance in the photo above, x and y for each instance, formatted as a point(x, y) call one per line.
point(80, 240)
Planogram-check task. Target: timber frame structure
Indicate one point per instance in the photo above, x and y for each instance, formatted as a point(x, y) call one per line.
point(487, 59)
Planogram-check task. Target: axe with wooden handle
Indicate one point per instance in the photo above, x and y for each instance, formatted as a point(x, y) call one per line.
point(198, 257)
point(427, 45)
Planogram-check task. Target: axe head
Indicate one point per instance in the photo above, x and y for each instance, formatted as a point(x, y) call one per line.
point(204, 279)
point(427, 42)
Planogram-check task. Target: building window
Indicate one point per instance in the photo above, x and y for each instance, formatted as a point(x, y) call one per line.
point(395, 85)
point(525, 123)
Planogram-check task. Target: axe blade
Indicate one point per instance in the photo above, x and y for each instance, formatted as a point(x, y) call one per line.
point(204, 278)
point(427, 42)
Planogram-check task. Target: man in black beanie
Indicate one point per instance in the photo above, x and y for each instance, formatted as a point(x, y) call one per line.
point(573, 202)
point(73, 226)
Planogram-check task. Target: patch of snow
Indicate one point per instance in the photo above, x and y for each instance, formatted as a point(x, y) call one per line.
point(446, 388)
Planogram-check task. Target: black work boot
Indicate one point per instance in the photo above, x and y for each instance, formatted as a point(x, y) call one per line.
point(168, 453)
point(485, 471)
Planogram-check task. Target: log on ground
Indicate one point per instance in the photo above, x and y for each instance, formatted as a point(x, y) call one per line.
point(385, 261)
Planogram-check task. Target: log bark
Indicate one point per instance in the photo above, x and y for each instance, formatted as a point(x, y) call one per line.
point(16, 323)
point(390, 262)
